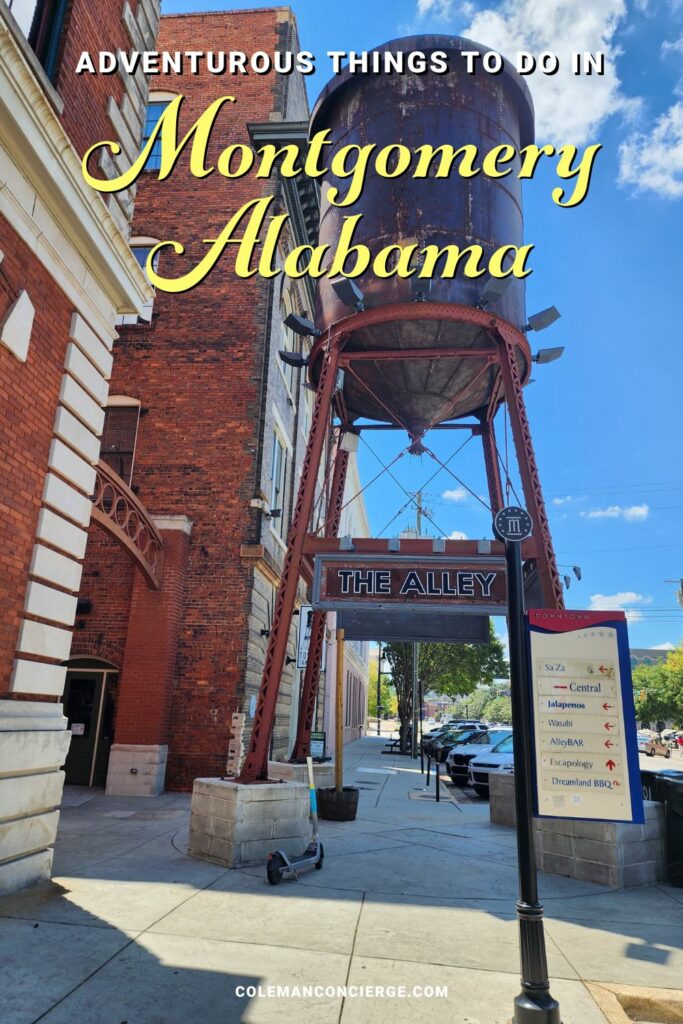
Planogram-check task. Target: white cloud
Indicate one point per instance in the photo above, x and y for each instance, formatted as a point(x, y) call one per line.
point(663, 647)
point(444, 8)
point(457, 535)
point(458, 494)
point(569, 108)
point(675, 47)
point(631, 513)
point(620, 602)
point(652, 161)
point(563, 501)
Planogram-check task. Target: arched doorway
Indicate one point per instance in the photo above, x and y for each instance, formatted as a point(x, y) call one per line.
point(89, 705)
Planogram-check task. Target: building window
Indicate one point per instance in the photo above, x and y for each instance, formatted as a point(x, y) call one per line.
point(141, 251)
point(41, 21)
point(278, 480)
point(141, 248)
point(155, 109)
point(118, 439)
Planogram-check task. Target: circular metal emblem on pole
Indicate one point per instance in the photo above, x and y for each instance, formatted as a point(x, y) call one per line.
point(512, 523)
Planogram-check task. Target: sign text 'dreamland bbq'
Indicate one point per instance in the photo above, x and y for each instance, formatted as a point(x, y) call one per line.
point(429, 583)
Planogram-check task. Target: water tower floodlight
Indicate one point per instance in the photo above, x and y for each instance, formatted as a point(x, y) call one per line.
point(300, 325)
point(348, 292)
point(567, 581)
point(420, 287)
point(548, 355)
point(539, 321)
point(576, 569)
point(493, 290)
point(295, 359)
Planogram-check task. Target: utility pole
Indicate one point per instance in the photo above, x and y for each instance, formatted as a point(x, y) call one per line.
point(379, 685)
point(418, 510)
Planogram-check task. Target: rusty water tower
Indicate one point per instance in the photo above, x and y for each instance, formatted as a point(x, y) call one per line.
point(413, 365)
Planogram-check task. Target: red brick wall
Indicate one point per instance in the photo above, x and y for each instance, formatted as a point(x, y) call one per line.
point(107, 583)
point(143, 704)
point(28, 400)
point(91, 25)
point(197, 371)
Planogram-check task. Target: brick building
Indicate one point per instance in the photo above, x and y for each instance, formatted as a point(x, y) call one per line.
point(207, 426)
point(66, 273)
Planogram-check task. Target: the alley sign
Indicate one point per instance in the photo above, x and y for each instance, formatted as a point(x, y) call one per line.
point(436, 583)
point(586, 753)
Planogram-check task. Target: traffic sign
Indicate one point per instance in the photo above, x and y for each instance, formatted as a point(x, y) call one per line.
point(584, 726)
point(512, 523)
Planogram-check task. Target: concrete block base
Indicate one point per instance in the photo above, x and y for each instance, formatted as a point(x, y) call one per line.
point(610, 853)
point(322, 773)
point(234, 825)
point(31, 870)
point(33, 746)
point(502, 799)
point(136, 770)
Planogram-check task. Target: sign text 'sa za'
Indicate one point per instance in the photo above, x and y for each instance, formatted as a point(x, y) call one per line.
point(586, 753)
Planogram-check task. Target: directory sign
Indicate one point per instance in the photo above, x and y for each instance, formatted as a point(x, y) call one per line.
point(585, 747)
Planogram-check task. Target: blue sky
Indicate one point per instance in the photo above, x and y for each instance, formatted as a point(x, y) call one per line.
point(607, 418)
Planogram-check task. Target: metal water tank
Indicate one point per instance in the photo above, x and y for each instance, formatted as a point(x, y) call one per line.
point(433, 109)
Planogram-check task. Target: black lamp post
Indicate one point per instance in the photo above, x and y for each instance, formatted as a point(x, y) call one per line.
point(534, 1004)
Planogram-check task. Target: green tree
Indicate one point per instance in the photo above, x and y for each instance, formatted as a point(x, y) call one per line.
point(472, 706)
point(387, 694)
point(455, 669)
point(658, 690)
point(448, 669)
point(498, 710)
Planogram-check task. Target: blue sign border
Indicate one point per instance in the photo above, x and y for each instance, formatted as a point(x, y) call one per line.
point(629, 711)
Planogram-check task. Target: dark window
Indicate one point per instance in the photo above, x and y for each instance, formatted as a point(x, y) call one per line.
point(41, 21)
point(118, 439)
point(278, 479)
point(154, 111)
point(141, 253)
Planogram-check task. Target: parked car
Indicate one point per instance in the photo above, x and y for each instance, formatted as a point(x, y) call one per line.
point(499, 759)
point(459, 757)
point(432, 737)
point(443, 746)
point(652, 745)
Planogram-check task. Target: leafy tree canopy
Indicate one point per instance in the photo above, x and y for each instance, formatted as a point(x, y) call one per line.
point(445, 669)
point(498, 710)
point(658, 690)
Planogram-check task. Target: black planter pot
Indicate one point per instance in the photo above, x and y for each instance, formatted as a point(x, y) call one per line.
point(334, 806)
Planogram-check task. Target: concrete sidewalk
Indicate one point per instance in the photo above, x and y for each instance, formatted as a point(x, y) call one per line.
point(412, 893)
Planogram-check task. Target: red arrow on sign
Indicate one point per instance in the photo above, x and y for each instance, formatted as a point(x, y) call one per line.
point(615, 783)
point(610, 764)
point(606, 707)
point(609, 725)
point(608, 744)
point(603, 669)
point(560, 687)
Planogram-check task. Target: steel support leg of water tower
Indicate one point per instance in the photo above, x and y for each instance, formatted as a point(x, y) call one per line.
point(551, 585)
point(488, 440)
point(309, 691)
point(256, 762)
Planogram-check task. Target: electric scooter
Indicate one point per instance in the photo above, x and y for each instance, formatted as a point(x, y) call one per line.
point(279, 865)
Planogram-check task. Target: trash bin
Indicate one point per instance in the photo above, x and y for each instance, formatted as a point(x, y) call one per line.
point(666, 787)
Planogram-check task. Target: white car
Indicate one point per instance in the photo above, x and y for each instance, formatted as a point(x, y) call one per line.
point(459, 758)
point(499, 759)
